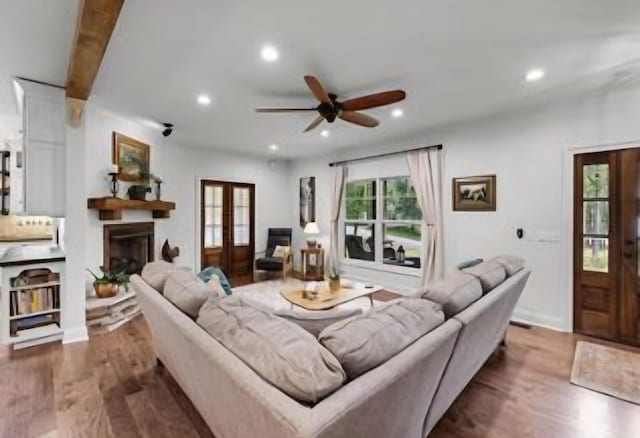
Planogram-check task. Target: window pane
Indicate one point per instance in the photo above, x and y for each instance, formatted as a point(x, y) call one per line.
point(212, 236)
point(240, 197)
point(361, 200)
point(399, 199)
point(212, 196)
point(241, 235)
point(241, 215)
point(398, 238)
point(595, 181)
point(359, 241)
point(596, 217)
point(596, 254)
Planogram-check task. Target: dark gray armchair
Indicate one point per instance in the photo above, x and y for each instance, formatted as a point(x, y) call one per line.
point(267, 261)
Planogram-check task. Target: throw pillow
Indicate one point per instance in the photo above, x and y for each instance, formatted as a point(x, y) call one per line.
point(281, 251)
point(206, 273)
point(186, 291)
point(281, 352)
point(216, 287)
point(365, 341)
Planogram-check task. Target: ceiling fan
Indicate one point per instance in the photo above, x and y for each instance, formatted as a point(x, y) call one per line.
point(330, 109)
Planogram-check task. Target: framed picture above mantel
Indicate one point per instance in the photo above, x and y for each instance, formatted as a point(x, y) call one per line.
point(474, 193)
point(132, 157)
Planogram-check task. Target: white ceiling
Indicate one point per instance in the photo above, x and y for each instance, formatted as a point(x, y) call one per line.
point(35, 43)
point(457, 59)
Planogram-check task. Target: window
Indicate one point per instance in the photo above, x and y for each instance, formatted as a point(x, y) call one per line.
point(241, 222)
point(212, 216)
point(396, 218)
point(595, 227)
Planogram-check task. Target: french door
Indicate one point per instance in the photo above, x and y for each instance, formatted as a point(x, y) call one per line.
point(606, 244)
point(227, 228)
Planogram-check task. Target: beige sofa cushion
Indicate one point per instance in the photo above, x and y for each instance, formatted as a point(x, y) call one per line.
point(365, 341)
point(281, 352)
point(490, 274)
point(155, 273)
point(511, 264)
point(187, 291)
point(455, 293)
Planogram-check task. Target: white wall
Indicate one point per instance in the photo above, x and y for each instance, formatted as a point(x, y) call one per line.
point(528, 151)
point(180, 168)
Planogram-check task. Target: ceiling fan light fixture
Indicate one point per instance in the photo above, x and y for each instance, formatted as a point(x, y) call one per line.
point(325, 133)
point(396, 113)
point(273, 147)
point(269, 53)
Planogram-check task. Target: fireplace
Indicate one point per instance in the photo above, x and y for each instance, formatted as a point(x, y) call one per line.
point(128, 247)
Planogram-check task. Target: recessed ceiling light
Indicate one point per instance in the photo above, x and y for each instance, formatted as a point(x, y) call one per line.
point(269, 53)
point(204, 100)
point(534, 75)
point(273, 147)
point(397, 113)
point(325, 133)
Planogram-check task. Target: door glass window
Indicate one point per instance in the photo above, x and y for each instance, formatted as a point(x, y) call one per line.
point(212, 216)
point(595, 217)
point(241, 216)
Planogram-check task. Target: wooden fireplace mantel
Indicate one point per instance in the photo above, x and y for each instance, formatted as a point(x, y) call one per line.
point(111, 208)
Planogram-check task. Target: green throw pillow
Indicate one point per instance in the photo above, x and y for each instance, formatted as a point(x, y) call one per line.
point(206, 274)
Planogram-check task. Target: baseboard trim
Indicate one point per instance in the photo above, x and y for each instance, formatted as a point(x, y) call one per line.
point(79, 334)
point(523, 316)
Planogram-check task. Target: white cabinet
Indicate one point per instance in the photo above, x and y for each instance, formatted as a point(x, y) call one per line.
point(44, 168)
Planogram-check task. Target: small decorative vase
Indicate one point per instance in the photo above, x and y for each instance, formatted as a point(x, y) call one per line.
point(334, 284)
point(106, 290)
point(138, 193)
point(158, 190)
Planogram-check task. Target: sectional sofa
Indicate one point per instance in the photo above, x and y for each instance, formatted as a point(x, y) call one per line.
point(404, 396)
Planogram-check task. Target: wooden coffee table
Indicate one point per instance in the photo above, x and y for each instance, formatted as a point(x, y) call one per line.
point(326, 299)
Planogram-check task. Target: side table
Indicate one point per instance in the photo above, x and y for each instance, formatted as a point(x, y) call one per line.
point(312, 264)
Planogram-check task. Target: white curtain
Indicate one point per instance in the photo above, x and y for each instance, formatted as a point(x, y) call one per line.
point(338, 178)
point(425, 170)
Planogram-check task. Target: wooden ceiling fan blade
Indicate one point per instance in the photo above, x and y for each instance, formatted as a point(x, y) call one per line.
point(315, 123)
point(282, 110)
point(374, 100)
point(317, 89)
point(359, 119)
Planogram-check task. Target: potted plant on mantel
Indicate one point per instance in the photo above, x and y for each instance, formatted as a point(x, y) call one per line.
point(138, 192)
point(108, 285)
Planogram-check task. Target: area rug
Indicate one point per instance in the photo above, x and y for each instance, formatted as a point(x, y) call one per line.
point(607, 370)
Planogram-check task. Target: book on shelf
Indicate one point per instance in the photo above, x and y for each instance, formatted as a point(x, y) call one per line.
point(38, 299)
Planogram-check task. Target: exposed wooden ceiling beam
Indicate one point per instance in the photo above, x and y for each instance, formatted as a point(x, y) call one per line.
point(95, 23)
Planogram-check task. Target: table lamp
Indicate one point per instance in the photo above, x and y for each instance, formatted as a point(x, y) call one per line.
point(311, 229)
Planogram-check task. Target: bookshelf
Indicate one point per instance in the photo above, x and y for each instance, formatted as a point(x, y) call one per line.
point(31, 303)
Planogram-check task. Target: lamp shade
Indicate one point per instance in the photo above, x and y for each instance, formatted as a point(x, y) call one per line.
point(311, 228)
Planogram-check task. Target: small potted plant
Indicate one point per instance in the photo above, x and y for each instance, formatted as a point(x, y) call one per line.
point(108, 284)
point(334, 280)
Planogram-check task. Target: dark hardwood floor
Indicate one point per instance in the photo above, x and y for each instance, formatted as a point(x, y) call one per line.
point(110, 387)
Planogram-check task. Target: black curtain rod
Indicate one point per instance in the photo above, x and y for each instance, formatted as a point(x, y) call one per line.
point(388, 154)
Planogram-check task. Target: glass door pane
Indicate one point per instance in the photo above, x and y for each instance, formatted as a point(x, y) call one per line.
point(213, 201)
point(241, 216)
point(595, 217)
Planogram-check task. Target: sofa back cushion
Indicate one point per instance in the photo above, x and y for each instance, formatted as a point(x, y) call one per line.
point(365, 341)
point(187, 292)
point(512, 264)
point(455, 293)
point(490, 274)
point(156, 273)
point(281, 352)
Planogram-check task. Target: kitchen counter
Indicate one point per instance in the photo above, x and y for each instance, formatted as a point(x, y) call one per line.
point(28, 255)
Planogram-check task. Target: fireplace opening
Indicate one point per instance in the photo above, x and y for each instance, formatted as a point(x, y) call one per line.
point(128, 247)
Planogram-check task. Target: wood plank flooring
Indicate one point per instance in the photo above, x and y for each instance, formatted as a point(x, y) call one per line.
point(110, 387)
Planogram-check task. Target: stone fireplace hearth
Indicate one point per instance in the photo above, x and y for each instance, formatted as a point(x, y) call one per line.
point(128, 247)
